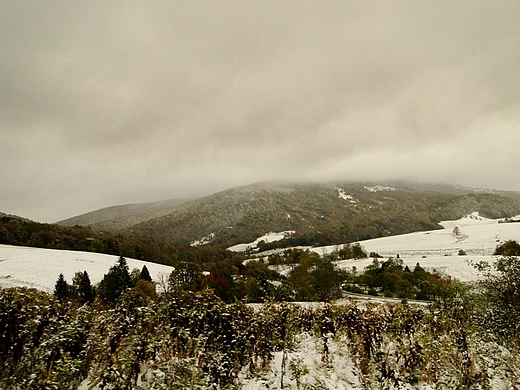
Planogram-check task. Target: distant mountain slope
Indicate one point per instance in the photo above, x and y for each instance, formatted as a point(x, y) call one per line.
point(319, 213)
point(11, 216)
point(118, 217)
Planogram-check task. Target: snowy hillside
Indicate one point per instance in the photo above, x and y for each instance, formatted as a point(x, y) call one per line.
point(40, 268)
point(280, 346)
point(475, 235)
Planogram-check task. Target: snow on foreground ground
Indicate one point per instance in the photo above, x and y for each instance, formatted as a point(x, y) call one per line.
point(40, 268)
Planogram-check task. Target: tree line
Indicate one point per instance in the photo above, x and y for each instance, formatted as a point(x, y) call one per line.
point(298, 275)
point(16, 231)
point(114, 284)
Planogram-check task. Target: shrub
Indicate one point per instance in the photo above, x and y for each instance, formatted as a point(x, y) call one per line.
point(499, 303)
point(508, 248)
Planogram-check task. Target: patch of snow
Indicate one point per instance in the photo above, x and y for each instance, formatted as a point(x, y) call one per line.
point(516, 218)
point(379, 188)
point(269, 237)
point(39, 268)
point(469, 220)
point(204, 240)
point(307, 367)
point(343, 195)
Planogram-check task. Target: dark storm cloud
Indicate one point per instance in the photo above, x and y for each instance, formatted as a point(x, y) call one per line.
point(127, 101)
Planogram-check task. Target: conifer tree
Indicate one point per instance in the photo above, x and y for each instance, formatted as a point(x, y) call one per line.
point(145, 274)
point(108, 289)
point(61, 289)
point(121, 269)
point(81, 283)
point(115, 282)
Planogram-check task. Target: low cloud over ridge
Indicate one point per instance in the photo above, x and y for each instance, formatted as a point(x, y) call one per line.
point(109, 103)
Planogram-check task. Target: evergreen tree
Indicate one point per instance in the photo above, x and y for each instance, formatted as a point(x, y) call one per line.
point(83, 287)
point(121, 269)
point(145, 275)
point(61, 289)
point(108, 289)
point(115, 282)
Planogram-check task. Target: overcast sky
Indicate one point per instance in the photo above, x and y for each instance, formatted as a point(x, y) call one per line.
point(113, 102)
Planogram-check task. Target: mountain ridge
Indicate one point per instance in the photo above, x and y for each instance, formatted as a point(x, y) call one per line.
point(320, 213)
point(122, 213)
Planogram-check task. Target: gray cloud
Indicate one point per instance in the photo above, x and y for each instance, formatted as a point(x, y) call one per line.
point(116, 102)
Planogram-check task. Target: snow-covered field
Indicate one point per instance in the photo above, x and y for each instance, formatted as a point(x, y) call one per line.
point(40, 268)
point(476, 236)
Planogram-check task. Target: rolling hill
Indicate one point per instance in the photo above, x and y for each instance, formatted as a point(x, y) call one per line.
point(319, 214)
point(475, 237)
point(117, 217)
point(325, 343)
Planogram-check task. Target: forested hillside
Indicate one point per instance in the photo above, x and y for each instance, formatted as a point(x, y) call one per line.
point(23, 232)
point(320, 214)
point(124, 215)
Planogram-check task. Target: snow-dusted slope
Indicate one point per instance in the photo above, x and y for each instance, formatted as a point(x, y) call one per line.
point(269, 237)
point(475, 235)
point(40, 268)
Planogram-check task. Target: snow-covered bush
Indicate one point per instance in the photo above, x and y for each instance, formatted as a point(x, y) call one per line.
point(197, 341)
